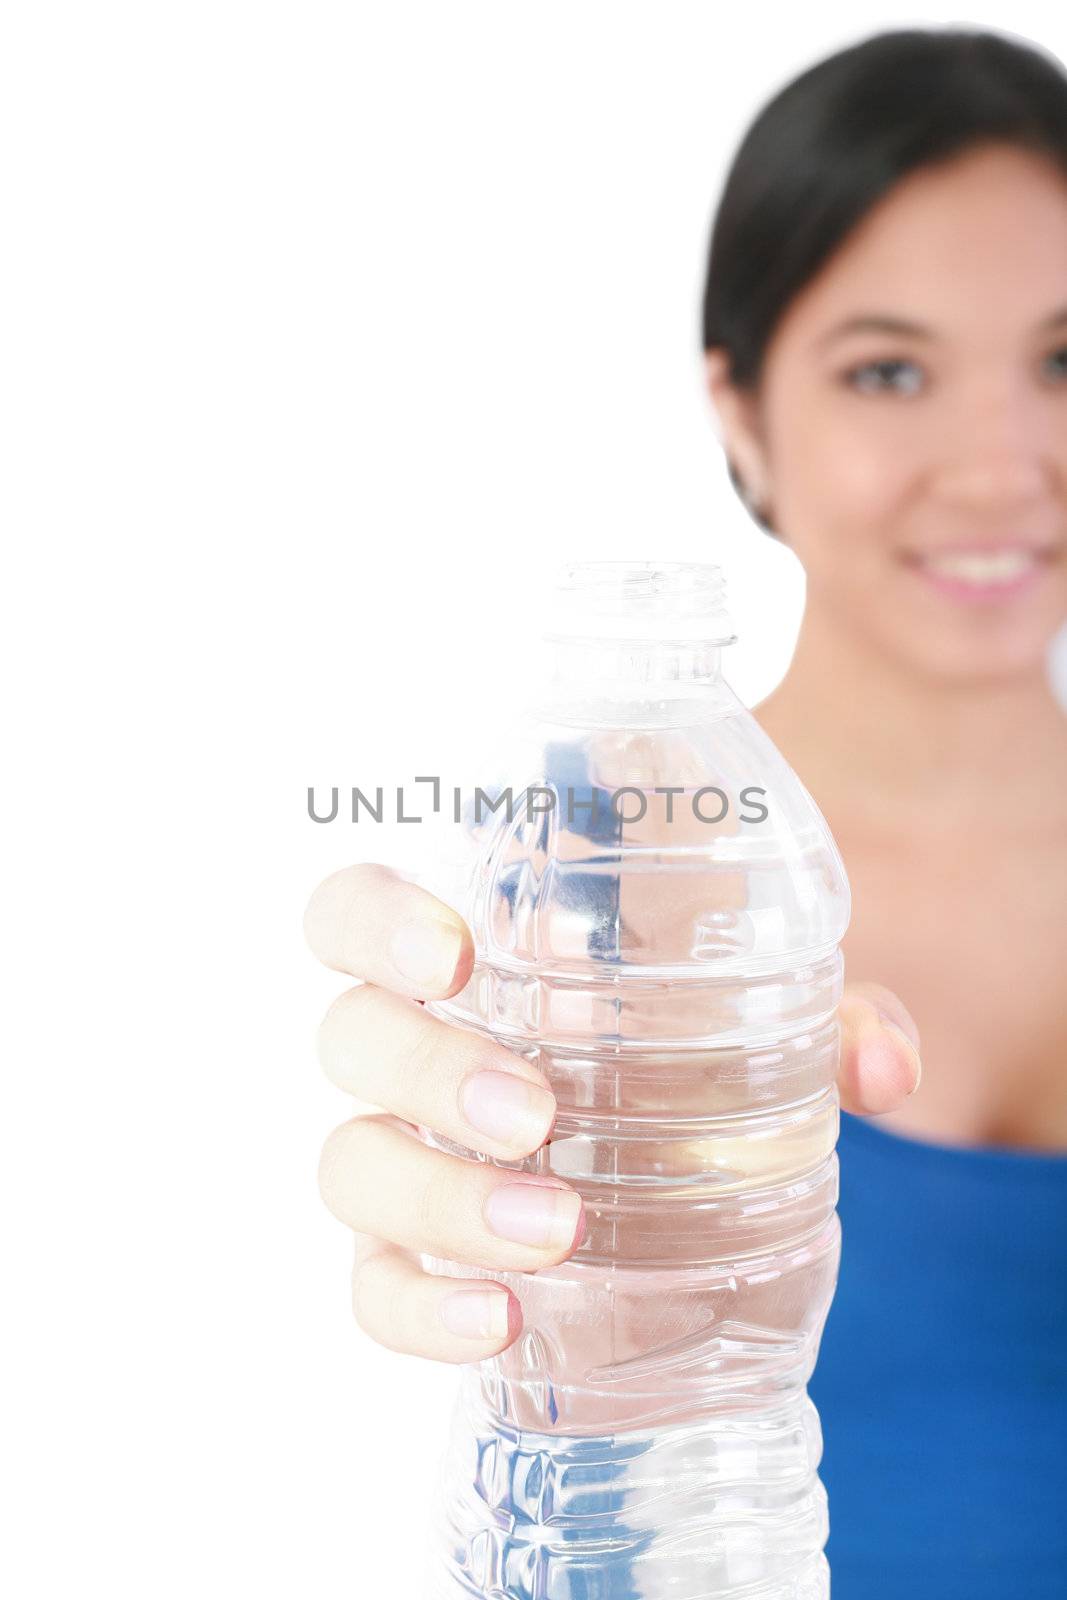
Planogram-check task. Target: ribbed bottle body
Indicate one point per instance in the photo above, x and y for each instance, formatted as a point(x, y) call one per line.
point(658, 929)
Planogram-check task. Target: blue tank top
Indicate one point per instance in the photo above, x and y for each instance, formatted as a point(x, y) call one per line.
point(942, 1376)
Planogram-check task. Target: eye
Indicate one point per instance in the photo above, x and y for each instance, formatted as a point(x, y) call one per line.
point(882, 377)
point(1055, 365)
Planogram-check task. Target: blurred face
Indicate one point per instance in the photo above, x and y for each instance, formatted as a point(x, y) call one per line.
point(910, 430)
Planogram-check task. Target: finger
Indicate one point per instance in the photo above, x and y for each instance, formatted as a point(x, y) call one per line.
point(880, 1063)
point(381, 1179)
point(367, 921)
point(388, 1051)
point(425, 1313)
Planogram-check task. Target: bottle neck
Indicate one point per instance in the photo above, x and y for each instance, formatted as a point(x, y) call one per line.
point(661, 664)
point(599, 683)
point(635, 643)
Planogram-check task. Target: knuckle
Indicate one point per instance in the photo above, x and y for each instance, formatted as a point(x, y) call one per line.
point(417, 1058)
point(320, 916)
point(337, 910)
point(430, 1208)
point(339, 1033)
point(369, 1292)
point(447, 1215)
point(445, 1203)
point(343, 1150)
point(434, 1059)
point(382, 1298)
point(333, 1151)
point(422, 1059)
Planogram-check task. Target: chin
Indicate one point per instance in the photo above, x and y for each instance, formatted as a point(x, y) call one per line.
point(951, 628)
point(1004, 656)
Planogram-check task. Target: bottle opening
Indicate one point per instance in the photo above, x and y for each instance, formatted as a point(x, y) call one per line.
point(668, 601)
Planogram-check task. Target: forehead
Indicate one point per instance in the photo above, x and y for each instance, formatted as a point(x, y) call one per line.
point(983, 233)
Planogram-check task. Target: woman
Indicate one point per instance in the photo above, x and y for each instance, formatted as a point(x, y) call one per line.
point(886, 331)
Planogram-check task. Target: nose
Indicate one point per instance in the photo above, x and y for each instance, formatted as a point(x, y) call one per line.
point(989, 480)
point(1001, 456)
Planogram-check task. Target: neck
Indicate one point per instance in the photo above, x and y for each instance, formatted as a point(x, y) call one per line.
point(855, 727)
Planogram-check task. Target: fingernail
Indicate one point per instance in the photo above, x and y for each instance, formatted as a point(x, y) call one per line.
point(532, 1213)
point(902, 1020)
point(426, 953)
point(910, 1047)
point(476, 1313)
point(508, 1108)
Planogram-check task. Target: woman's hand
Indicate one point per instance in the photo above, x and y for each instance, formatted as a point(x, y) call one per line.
point(400, 1196)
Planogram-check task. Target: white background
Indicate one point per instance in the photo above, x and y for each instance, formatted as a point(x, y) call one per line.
point(328, 330)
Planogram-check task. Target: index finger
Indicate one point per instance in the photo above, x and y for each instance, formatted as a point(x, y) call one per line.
point(368, 921)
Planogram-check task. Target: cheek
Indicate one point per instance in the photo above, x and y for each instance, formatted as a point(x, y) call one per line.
point(838, 484)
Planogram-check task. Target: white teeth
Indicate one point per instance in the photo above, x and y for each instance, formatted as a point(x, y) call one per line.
point(992, 566)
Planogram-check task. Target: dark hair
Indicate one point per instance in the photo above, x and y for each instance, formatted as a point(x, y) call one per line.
point(830, 144)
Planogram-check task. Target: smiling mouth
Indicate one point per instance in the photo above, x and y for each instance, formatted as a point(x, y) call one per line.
point(980, 571)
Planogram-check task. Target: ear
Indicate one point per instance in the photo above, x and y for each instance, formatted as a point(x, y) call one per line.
point(737, 424)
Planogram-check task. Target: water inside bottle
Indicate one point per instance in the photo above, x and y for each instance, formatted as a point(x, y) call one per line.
point(663, 942)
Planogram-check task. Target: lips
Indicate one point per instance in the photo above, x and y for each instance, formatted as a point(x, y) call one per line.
point(976, 570)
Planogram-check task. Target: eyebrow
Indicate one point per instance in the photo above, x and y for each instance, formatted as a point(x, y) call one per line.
point(881, 322)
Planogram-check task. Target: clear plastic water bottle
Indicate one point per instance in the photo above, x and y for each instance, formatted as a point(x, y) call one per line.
point(657, 926)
